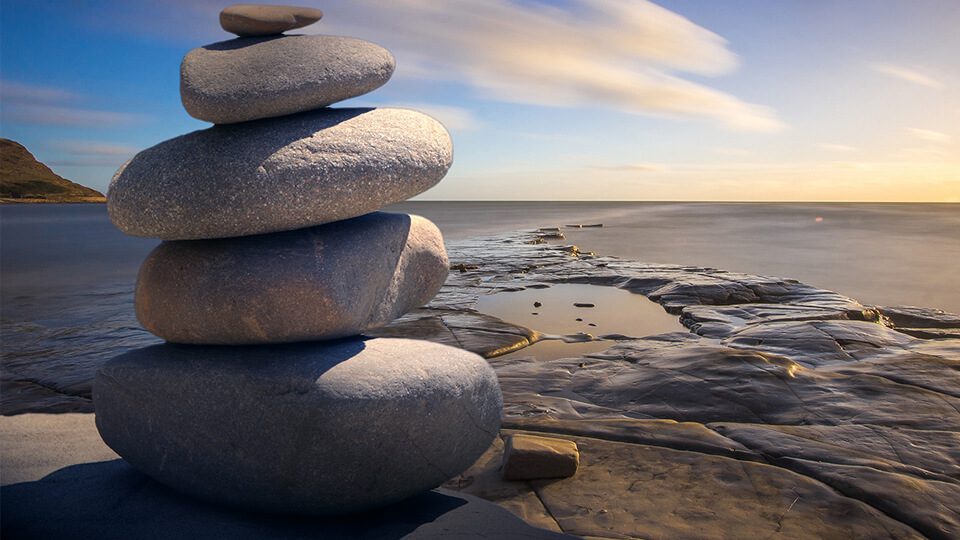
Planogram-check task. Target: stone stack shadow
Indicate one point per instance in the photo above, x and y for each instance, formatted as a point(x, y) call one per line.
point(274, 261)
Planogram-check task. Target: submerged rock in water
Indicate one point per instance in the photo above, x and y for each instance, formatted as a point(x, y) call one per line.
point(325, 282)
point(305, 429)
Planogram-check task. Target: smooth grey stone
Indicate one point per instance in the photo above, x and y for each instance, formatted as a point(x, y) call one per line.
point(278, 174)
point(264, 20)
point(310, 428)
point(325, 282)
point(251, 78)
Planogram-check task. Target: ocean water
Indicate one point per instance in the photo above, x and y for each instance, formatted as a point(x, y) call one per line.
point(67, 275)
point(885, 254)
point(881, 254)
point(576, 310)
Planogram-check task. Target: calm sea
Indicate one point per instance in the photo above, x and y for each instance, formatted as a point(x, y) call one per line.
point(66, 275)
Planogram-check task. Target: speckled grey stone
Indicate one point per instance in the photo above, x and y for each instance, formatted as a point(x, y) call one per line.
point(279, 174)
point(251, 78)
point(324, 282)
point(264, 20)
point(306, 428)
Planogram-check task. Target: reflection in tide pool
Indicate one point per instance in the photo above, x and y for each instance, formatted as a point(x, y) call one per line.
point(553, 311)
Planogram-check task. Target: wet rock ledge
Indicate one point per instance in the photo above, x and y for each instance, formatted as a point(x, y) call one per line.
point(787, 410)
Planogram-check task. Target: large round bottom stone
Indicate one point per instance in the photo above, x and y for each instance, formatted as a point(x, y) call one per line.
point(318, 428)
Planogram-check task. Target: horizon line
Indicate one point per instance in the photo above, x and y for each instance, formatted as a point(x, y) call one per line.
point(725, 201)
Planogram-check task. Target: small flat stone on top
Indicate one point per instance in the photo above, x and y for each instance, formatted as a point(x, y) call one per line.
point(246, 20)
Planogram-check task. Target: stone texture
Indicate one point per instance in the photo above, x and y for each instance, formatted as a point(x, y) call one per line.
point(264, 20)
point(278, 174)
point(531, 457)
point(305, 429)
point(252, 78)
point(638, 491)
point(325, 282)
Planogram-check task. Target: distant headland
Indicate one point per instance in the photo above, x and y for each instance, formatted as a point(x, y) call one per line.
point(23, 179)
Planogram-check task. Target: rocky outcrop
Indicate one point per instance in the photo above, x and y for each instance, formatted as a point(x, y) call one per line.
point(23, 179)
point(787, 409)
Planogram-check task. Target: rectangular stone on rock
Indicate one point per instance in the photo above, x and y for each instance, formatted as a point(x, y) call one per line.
point(530, 457)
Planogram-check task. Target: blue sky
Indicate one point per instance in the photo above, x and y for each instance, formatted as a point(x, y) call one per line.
point(576, 99)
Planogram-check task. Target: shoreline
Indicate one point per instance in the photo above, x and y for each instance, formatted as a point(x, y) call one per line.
point(774, 395)
point(94, 200)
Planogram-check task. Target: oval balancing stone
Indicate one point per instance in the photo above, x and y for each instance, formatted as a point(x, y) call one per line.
point(265, 20)
point(310, 428)
point(252, 78)
point(278, 174)
point(324, 282)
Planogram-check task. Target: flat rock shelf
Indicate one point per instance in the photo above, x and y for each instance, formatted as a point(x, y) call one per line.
point(781, 409)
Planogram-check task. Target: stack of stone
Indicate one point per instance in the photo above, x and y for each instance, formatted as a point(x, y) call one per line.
point(274, 262)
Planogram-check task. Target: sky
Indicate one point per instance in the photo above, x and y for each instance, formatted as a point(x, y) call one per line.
point(706, 100)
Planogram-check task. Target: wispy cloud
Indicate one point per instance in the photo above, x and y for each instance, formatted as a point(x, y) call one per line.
point(632, 167)
point(90, 153)
point(837, 147)
point(930, 135)
point(907, 74)
point(45, 105)
point(454, 118)
point(549, 136)
point(95, 148)
point(65, 116)
point(12, 92)
point(930, 153)
point(732, 152)
point(625, 56)
point(602, 53)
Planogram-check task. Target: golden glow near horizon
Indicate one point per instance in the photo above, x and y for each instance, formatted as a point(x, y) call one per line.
point(581, 99)
point(826, 182)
